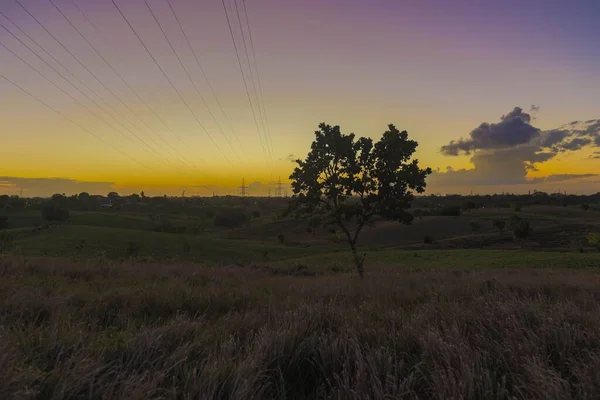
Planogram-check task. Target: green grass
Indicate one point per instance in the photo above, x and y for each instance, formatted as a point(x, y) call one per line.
point(250, 318)
point(63, 240)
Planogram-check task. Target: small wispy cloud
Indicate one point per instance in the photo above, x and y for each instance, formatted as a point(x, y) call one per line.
point(289, 158)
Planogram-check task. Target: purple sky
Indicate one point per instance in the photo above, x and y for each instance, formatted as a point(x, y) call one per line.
point(435, 68)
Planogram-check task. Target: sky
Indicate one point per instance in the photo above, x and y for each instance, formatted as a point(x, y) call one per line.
point(501, 96)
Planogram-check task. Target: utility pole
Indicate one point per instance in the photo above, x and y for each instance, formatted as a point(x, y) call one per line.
point(279, 191)
point(243, 187)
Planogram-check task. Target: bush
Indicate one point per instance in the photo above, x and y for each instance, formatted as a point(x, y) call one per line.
point(187, 248)
point(594, 240)
point(469, 205)
point(585, 207)
point(133, 249)
point(499, 224)
point(281, 238)
point(475, 227)
point(6, 242)
point(53, 212)
point(520, 228)
point(450, 211)
point(231, 218)
point(427, 239)
point(3, 222)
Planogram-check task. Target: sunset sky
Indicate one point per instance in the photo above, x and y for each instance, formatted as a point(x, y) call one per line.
point(529, 71)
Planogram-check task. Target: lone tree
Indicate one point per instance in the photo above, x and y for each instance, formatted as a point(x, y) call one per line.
point(346, 181)
point(520, 229)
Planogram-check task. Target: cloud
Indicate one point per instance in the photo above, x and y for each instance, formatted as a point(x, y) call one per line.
point(553, 137)
point(567, 177)
point(47, 186)
point(504, 152)
point(513, 129)
point(289, 158)
point(595, 155)
point(575, 144)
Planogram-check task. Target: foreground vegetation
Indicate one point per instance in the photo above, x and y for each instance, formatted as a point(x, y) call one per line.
point(96, 330)
point(135, 297)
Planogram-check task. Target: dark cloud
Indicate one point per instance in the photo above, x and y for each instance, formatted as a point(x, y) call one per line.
point(553, 137)
point(503, 153)
point(513, 129)
point(575, 144)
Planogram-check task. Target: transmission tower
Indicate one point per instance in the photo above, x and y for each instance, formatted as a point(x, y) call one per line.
point(279, 191)
point(243, 188)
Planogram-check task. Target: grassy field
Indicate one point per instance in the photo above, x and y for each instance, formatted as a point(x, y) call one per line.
point(180, 331)
point(242, 314)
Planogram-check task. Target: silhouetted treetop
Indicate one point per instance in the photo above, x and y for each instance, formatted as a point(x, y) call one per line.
point(346, 180)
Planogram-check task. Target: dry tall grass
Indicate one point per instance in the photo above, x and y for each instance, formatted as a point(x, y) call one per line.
point(74, 330)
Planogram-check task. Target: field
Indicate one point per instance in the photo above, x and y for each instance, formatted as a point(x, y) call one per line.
point(105, 306)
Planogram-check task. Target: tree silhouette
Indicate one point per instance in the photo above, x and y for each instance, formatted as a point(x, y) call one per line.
point(520, 228)
point(346, 181)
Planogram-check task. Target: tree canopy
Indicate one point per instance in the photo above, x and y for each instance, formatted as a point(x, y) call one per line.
point(346, 181)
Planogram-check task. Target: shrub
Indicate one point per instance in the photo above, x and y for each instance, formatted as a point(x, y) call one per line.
point(585, 207)
point(475, 227)
point(132, 250)
point(6, 242)
point(594, 240)
point(418, 213)
point(186, 248)
point(3, 222)
point(281, 238)
point(520, 228)
point(499, 224)
point(53, 212)
point(427, 239)
point(469, 205)
point(450, 211)
point(231, 218)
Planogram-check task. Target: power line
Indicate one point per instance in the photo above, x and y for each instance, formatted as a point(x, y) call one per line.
point(257, 74)
point(190, 78)
point(117, 74)
point(265, 135)
point(86, 68)
point(71, 121)
point(76, 88)
point(139, 97)
point(202, 70)
point(169, 80)
point(245, 83)
point(62, 90)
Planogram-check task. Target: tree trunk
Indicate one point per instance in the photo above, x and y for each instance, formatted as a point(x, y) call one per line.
point(359, 260)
